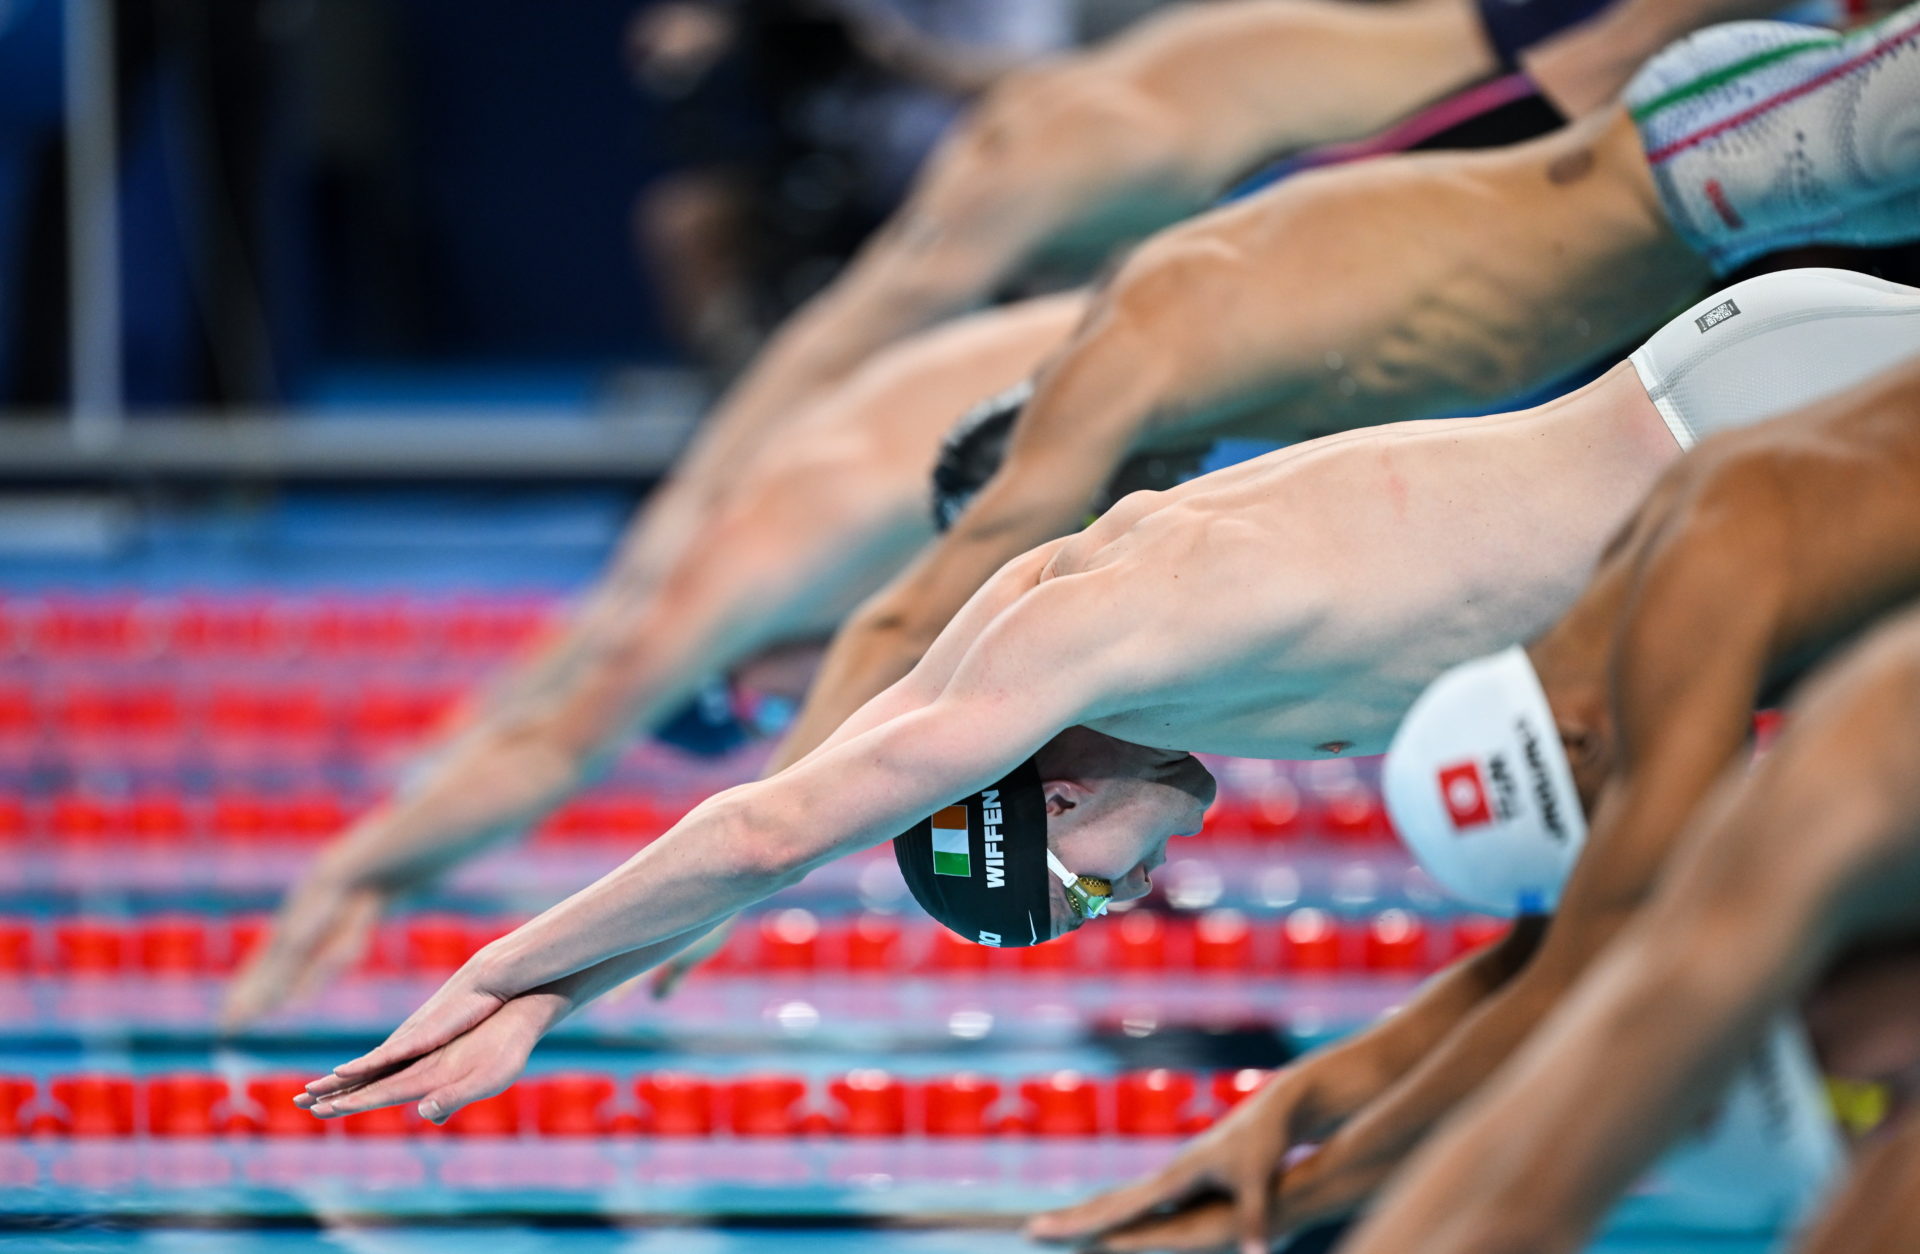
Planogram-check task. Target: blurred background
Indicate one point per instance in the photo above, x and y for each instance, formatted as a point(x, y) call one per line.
point(338, 339)
point(285, 243)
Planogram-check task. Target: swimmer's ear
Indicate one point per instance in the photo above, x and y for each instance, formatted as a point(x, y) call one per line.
point(1062, 796)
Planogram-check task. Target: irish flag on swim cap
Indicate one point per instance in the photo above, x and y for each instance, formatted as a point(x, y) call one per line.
point(1480, 788)
point(950, 853)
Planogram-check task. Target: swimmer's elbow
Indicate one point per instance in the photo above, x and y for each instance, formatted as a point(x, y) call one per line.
point(761, 845)
point(1167, 279)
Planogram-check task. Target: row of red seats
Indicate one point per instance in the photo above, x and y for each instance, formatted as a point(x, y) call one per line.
point(156, 817)
point(1302, 942)
point(72, 819)
point(306, 711)
point(664, 1104)
point(122, 627)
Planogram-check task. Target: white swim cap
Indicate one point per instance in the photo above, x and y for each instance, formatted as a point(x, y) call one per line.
point(1480, 788)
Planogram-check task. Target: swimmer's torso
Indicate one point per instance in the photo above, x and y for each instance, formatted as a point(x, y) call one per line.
point(1265, 631)
point(1368, 562)
point(1523, 264)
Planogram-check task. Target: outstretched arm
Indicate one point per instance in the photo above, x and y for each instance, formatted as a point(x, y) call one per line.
point(627, 659)
point(1088, 408)
point(1102, 147)
point(1752, 911)
point(1007, 697)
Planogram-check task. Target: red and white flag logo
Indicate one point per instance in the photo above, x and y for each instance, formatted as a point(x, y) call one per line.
point(1465, 795)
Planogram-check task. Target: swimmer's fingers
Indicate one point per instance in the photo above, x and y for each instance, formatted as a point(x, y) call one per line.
point(476, 1065)
point(1205, 1227)
point(1238, 1157)
point(341, 947)
point(459, 1006)
point(308, 927)
point(1253, 1213)
point(1088, 1219)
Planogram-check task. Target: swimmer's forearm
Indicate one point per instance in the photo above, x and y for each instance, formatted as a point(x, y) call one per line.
point(905, 279)
point(591, 983)
point(1354, 1162)
point(1606, 1082)
point(745, 844)
point(485, 788)
point(713, 863)
point(1352, 1073)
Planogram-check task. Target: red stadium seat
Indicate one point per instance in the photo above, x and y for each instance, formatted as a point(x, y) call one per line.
point(93, 1105)
point(1223, 941)
point(498, 1115)
point(1065, 1103)
point(175, 945)
point(437, 943)
point(384, 1122)
point(17, 948)
point(81, 818)
point(158, 818)
point(955, 955)
point(789, 940)
point(245, 626)
point(18, 1096)
point(871, 943)
point(274, 1113)
point(1397, 943)
point(572, 1104)
point(1155, 1103)
point(88, 947)
point(1474, 931)
point(99, 626)
point(960, 1105)
point(1137, 941)
point(1310, 943)
point(869, 1103)
point(1355, 816)
point(676, 1104)
point(766, 1105)
point(1230, 1088)
point(19, 713)
point(187, 1105)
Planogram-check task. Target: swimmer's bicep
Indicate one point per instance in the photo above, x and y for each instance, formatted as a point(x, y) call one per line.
point(1685, 676)
point(875, 785)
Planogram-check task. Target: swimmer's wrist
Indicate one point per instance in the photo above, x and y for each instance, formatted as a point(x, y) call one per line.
point(547, 1007)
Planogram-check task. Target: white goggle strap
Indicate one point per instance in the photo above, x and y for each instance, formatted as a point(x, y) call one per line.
point(1092, 905)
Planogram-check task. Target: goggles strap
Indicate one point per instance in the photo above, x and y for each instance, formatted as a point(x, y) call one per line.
point(1088, 893)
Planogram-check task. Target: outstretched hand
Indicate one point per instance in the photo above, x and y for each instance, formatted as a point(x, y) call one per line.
point(322, 927)
point(468, 1042)
point(1181, 1206)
